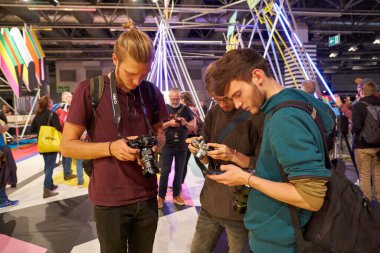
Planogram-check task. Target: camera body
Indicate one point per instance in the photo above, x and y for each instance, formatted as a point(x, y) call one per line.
point(145, 144)
point(202, 147)
point(177, 120)
point(241, 198)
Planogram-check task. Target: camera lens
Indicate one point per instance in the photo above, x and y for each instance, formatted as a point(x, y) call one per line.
point(148, 161)
point(241, 198)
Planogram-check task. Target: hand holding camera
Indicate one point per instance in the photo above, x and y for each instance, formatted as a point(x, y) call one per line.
point(202, 148)
point(221, 152)
point(175, 122)
point(145, 144)
point(121, 151)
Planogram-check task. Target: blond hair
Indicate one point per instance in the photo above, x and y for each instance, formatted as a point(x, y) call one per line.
point(135, 44)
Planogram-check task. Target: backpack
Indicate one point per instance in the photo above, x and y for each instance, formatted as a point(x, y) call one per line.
point(370, 132)
point(347, 221)
point(96, 93)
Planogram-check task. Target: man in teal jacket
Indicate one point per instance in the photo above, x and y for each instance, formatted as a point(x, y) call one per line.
point(291, 138)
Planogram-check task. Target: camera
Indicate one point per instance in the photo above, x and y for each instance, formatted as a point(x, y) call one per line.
point(202, 147)
point(145, 144)
point(177, 120)
point(241, 198)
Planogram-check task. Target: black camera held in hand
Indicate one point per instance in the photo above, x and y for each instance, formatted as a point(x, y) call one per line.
point(145, 144)
point(177, 120)
point(202, 147)
point(241, 198)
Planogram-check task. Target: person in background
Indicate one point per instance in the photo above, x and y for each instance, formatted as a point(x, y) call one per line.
point(308, 86)
point(346, 108)
point(7, 110)
point(366, 154)
point(176, 126)
point(125, 201)
point(187, 99)
point(45, 117)
point(62, 110)
point(8, 166)
point(204, 107)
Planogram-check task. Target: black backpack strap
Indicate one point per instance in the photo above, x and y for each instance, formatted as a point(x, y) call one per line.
point(309, 109)
point(364, 102)
point(50, 117)
point(300, 241)
point(241, 117)
point(96, 93)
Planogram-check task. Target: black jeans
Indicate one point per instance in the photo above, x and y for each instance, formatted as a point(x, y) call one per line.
point(129, 228)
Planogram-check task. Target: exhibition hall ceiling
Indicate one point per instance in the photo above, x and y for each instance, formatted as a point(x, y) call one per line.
point(86, 29)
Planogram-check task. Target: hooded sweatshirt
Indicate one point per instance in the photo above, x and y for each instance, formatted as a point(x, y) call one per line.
point(292, 139)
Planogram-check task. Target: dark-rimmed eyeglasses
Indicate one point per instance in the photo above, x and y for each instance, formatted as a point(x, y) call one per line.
point(220, 100)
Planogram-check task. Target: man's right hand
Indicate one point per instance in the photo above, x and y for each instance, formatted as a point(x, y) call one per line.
point(123, 152)
point(192, 149)
point(173, 123)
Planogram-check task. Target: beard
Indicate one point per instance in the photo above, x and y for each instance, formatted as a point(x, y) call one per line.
point(258, 99)
point(175, 106)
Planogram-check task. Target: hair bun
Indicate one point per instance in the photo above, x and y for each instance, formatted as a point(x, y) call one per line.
point(129, 25)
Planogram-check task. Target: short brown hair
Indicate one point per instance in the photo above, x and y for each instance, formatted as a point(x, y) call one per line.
point(135, 44)
point(209, 83)
point(237, 65)
point(43, 104)
point(369, 89)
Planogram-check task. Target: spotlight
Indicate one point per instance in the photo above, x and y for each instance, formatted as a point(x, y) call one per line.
point(333, 54)
point(352, 48)
point(54, 2)
point(377, 40)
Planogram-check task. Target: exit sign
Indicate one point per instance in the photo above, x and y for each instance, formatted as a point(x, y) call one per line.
point(61, 89)
point(334, 40)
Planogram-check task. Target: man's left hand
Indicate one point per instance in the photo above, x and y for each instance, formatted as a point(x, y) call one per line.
point(232, 176)
point(220, 152)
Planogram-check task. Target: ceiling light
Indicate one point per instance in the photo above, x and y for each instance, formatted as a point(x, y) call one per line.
point(54, 2)
point(352, 48)
point(333, 54)
point(377, 40)
point(374, 58)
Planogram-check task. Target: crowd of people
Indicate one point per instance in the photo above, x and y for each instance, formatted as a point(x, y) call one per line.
point(247, 147)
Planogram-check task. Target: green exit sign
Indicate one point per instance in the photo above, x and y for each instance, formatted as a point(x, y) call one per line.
point(61, 89)
point(334, 40)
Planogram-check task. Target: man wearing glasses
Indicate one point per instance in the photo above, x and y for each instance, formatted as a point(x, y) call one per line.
point(177, 126)
point(241, 146)
point(292, 143)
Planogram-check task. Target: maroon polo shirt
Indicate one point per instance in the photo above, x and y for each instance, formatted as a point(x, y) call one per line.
point(113, 182)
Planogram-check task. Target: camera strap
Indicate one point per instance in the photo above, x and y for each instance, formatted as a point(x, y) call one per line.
point(231, 126)
point(115, 102)
point(116, 106)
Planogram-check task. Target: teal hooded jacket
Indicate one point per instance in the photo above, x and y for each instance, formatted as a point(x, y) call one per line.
point(291, 138)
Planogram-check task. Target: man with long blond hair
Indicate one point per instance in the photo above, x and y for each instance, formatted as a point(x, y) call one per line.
point(126, 212)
